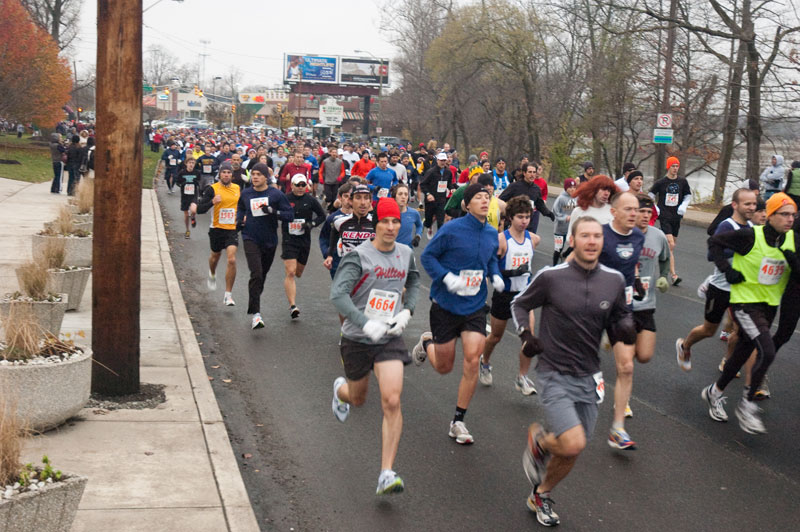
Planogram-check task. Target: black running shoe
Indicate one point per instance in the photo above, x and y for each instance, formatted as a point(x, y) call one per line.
point(295, 312)
point(194, 221)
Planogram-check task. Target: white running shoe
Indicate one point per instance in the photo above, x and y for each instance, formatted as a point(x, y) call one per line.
point(211, 281)
point(258, 322)
point(523, 384)
point(628, 411)
point(418, 354)
point(684, 362)
point(749, 417)
point(340, 409)
point(484, 373)
point(724, 335)
point(227, 299)
point(430, 233)
point(389, 482)
point(459, 431)
point(716, 406)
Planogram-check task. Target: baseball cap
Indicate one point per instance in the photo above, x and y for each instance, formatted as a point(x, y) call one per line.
point(569, 182)
point(299, 178)
point(441, 156)
point(360, 189)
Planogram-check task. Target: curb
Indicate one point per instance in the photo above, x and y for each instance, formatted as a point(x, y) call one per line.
point(236, 506)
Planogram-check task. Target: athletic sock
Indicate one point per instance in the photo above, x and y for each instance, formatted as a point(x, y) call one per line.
point(618, 425)
point(715, 391)
point(425, 345)
point(227, 294)
point(460, 413)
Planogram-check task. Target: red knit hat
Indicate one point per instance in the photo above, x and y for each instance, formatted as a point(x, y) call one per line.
point(387, 207)
point(671, 161)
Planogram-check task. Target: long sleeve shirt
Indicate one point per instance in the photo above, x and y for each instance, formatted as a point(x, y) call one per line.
point(381, 181)
point(260, 227)
point(410, 225)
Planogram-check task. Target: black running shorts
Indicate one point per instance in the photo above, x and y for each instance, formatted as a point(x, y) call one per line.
point(222, 238)
point(717, 302)
point(501, 305)
point(295, 248)
point(670, 227)
point(446, 326)
point(644, 320)
point(359, 358)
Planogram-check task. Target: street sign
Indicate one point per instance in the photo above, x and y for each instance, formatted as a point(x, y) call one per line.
point(662, 136)
point(331, 113)
point(664, 121)
point(147, 88)
point(378, 130)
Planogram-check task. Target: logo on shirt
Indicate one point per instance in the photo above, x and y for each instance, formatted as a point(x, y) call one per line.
point(605, 305)
point(389, 273)
point(625, 251)
point(357, 235)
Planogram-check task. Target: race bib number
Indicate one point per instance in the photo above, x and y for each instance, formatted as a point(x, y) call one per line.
point(474, 279)
point(173, 162)
point(381, 304)
point(645, 284)
point(383, 192)
point(771, 271)
point(599, 386)
point(206, 168)
point(671, 200)
point(297, 227)
point(227, 216)
point(519, 258)
point(558, 242)
point(441, 186)
point(628, 295)
point(256, 204)
point(188, 189)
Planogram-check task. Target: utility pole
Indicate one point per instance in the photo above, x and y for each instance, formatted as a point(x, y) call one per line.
point(116, 252)
point(661, 149)
point(205, 43)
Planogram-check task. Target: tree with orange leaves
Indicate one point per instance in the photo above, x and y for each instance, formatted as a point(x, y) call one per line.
point(35, 83)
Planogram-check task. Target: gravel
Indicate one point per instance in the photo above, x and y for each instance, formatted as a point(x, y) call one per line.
point(149, 396)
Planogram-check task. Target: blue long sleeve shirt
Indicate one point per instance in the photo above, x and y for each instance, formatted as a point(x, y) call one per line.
point(461, 244)
point(410, 225)
point(259, 227)
point(378, 179)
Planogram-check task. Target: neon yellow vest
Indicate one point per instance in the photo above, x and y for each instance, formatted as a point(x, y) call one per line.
point(493, 217)
point(765, 271)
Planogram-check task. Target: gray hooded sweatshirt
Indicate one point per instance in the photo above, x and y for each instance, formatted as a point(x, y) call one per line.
point(773, 176)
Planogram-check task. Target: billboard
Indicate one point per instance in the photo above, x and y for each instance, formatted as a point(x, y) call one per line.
point(310, 68)
point(363, 71)
point(252, 97)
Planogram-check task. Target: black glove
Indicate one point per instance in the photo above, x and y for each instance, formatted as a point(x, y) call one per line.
point(791, 258)
point(552, 216)
point(308, 226)
point(240, 225)
point(530, 344)
point(415, 242)
point(734, 276)
point(516, 272)
point(638, 287)
point(266, 209)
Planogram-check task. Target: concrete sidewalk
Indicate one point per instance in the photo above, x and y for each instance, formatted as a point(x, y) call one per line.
point(167, 468)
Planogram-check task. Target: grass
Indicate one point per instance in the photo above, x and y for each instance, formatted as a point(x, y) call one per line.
point(35, 165)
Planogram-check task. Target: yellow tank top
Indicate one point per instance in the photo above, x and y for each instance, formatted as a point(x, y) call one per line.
point(225, 210)
point(493, 217)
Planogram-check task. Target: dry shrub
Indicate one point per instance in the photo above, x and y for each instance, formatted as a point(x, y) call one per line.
point(85, 196)
point(33, 276)
point(21, 332)
point(64, 224)
point(53, 254)
point(11, 433)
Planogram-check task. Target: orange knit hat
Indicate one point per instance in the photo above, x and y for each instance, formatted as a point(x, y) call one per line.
point(671, 161)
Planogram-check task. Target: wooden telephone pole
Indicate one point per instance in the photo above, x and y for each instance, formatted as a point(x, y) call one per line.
point(661, 149)
point(116, 257)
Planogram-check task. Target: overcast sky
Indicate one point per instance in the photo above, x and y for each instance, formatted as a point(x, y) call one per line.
point(251, 35)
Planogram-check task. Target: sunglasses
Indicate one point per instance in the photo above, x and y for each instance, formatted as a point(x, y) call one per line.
point(299, 184)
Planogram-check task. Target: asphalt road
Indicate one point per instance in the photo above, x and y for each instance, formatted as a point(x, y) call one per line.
point(306, 471)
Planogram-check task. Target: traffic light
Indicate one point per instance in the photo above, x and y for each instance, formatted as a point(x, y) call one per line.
point(233, 108)
point(280, 107)
point(200, 93)
point(196, 91)
point(80, 109)
point(166, 91)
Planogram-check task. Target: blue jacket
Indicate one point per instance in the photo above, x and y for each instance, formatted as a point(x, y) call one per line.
point(410, 225)
point(263, 228)
point(461, 244)
point(378, 179)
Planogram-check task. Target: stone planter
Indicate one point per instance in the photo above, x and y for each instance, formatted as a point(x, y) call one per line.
point(51, 227)
point(48, 394)
point(70, 282)
point(83, 218)
point(78, 249)
point(48, 314)
point(50, 509)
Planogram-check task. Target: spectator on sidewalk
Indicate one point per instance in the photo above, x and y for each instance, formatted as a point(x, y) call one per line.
point(57, 152)
point(74, 157)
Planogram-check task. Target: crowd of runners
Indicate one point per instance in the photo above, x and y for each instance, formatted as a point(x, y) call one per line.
point(615, 249)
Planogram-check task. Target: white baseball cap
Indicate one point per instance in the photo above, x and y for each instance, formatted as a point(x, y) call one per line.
point(299, 178)
point(441, 156)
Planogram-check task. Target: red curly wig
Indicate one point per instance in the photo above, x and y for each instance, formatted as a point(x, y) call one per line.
point(588, 190)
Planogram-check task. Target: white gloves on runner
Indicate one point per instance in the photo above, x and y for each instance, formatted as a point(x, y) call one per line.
point(454, 282)
point(375, 329)
point(398, 323)
point(497, 283)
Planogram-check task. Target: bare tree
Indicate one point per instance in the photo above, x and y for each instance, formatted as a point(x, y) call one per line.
point(59, 18)
point(159, 65)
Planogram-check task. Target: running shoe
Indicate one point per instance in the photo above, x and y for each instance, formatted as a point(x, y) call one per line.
point(459, 431)
point(523, 384)
point(194, 221)
point(628, 411)
point(258, 322)
point(211, 282)
point(684, 360)
point(430, 233)
point(763, 391)
point(187, 235)
point(227, 299)
point(749, 417)
point(619, 439)
point(722, 367)
point(485, 373)
point(534, 459)
point(340, 409)
point(418, 353)
point(676, 280)
point(543, 506)
point(294, 312)
point(724, 335)
point(389, 482)
point(716, 406)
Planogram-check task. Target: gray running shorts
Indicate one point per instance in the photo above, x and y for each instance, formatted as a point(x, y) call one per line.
point(568, 401)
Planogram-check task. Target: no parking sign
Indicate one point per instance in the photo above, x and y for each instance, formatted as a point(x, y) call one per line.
point(664, 121)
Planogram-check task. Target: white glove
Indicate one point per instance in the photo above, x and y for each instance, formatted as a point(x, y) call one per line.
point(497, 283)
point(398, 323)
point(375, 329)
point(681, 210)
point(454, 282)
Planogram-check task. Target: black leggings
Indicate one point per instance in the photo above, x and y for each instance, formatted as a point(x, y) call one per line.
point(259, 261)
point(754, 321)
point(790, 313)
point(434, 208)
